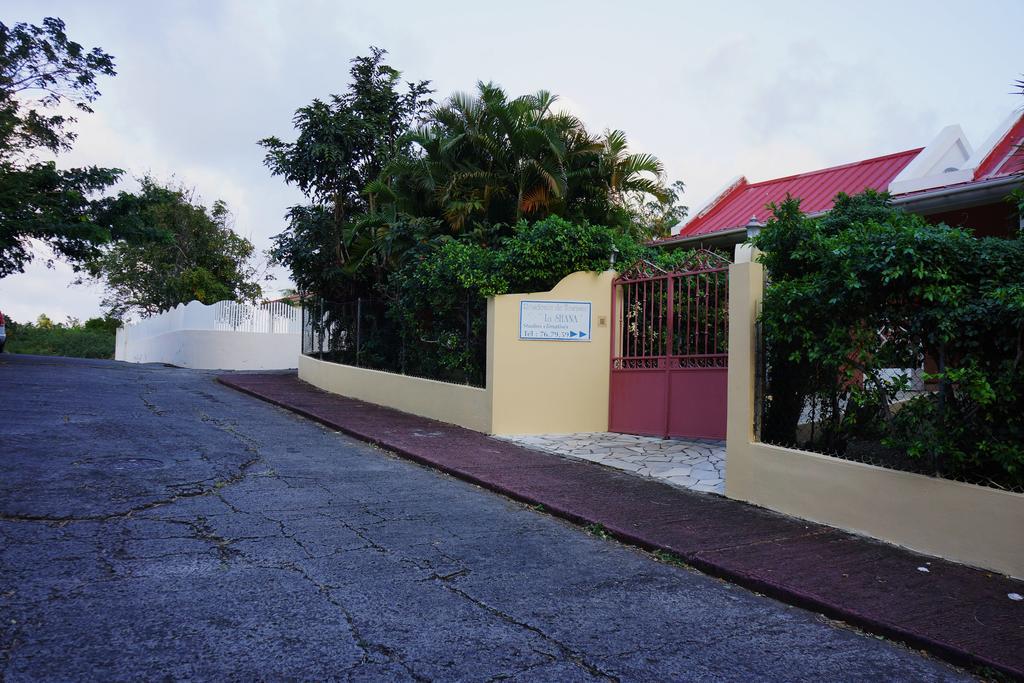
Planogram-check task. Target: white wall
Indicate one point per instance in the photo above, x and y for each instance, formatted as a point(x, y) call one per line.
point(223, 336)
point(216, 350)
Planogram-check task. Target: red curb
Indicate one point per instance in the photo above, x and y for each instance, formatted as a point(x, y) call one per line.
point(955, 612)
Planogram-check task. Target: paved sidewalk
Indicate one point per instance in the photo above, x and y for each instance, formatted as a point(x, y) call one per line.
point(956, 612)
point(696, 464)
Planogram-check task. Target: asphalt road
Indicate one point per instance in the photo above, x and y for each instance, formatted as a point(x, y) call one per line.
point(155, 525)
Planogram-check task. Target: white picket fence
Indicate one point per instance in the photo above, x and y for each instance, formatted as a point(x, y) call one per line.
point(225, 335)
point(230, 316)
point(275, 317)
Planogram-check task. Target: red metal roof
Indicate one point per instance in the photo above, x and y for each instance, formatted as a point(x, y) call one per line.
point(816, 190)
point(1007, 157)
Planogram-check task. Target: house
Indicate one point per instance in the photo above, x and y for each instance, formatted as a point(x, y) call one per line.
point(947, 181)
point(950, 183)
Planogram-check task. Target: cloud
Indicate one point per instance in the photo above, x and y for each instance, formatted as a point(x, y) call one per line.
point(714, 89)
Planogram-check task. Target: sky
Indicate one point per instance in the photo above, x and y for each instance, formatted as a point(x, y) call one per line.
point(714, 89)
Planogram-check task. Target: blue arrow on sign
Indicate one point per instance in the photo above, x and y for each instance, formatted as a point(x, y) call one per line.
point(582, 335)
point(572, 334)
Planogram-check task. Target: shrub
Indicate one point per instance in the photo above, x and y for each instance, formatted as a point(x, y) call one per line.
point(433, 300)
point(868, 288)
point(540, 254)
point(440, 294)
point(93, 339)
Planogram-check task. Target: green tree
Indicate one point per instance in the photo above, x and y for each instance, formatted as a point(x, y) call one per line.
point(491, 158)
point(488, 159)
point(181, 252)
point(656, 216)
point(94, 339)
point(43, 74)
point(627, 174)
point(342, 146)
point(439, 295)
point(390, 177)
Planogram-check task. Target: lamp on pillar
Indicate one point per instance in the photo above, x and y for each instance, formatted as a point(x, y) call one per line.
point(612, 257)
point(753, 227)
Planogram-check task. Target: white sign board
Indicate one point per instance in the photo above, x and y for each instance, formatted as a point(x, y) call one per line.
point(554, 320)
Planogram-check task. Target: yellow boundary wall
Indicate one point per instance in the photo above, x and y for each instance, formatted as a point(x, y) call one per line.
point(465, 406)
point(533, 387)
point(550, 387)
point(975, 525)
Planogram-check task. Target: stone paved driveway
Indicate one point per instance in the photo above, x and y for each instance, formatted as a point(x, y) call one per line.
point(696, 464)
point(157, 526)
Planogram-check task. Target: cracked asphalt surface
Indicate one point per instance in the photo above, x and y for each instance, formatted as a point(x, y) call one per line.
point(156, 525)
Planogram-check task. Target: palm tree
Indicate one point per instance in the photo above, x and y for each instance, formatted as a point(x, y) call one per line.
point(629, 174)
point(486, 158)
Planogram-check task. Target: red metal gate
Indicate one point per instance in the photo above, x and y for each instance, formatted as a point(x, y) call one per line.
point(669, 350)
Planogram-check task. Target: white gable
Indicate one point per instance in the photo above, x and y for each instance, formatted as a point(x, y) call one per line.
point(943, 162)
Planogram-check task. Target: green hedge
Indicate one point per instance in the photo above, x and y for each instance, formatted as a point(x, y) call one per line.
point(868, 287)
point(93, 339)
point(430, 320)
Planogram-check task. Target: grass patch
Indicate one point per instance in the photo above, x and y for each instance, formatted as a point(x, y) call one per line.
point(669, 558)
